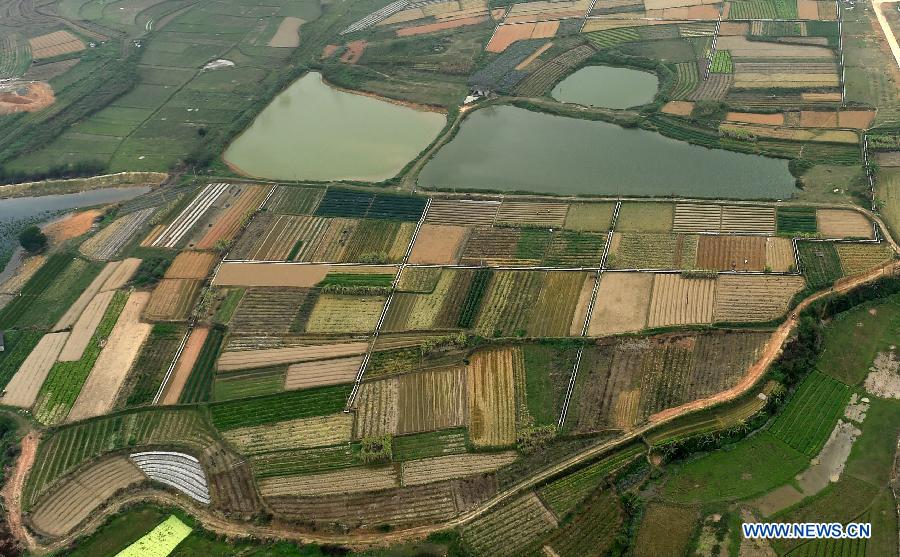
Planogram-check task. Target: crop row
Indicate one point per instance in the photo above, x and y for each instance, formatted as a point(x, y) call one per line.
point(613, 37)
point(813, 411)
point(820, 263)
point(429, 444)
point(721, 62)
point(304, 461)
point(796, 220)
point(199, 385)
point(564, 494)
point(289, 200)
point(153, 362)
point(686, 78)
point(66, 448)
point(279, 407)
point(475, 294)
point(360, 204)
point(65, 380)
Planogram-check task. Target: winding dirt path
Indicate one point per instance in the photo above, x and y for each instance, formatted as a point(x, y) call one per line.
point(12, 491)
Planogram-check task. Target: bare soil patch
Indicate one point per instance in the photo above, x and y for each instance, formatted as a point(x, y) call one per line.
point(753, 118)
point(491, 397)
point(680, 301)
point(54, 44)
point(438, 244)
point(354, 51)
point(246, 359)
point(78, 306)
point(185, 364)
point(324, 372)
point(84, 328)
point(27, 98)
point(122, 274)
point(270, 274)
point(622, 302)
point(288, 33)
point(843, 223)
point(678, 108)
point(71, 226)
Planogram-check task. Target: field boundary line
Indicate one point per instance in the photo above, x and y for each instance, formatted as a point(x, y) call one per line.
point(587, 316)
point(165, 381)
point(354, 393)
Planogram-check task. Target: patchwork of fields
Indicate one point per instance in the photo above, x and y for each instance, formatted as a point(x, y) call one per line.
point(318, 360)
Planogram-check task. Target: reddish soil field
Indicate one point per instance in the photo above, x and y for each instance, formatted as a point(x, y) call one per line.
point(38, 96)
point(71, 226)
point(354, 52)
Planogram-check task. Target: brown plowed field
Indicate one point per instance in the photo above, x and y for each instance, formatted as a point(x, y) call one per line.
point(115, 360)
point(272, 237)
point(231, 484)
point(270, 274)
point(453, 212)
point(270, 310)
point(438, 244)
point(23, 388)
point(544, 215)
point(678, 108)
point(377, 408)
point(491, 397)
point(779, 254)
point(71, 226)
point(172, 300)
point(493, 246)
point(122, 274)
point(319, 431)
point(844, 223)
point(288, 33)
point(84, 328)
point(60, 511)
point(754, 298)
point(54, 44)
point(192, 265)
point(325, 372)
point(185, 364)
point(352, 480)
point(744, 219)
point(776, 119)
point(622, 302)
point(731, 253)
point(428, 470)
point(152, 235)
point(680, 301)
point(692, 217)
point(247, 359)
point(228, 223)
point(431, 400)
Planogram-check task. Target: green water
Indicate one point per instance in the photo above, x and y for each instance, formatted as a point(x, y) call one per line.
point(314, 132)
point(507, 148)
point(607, 87)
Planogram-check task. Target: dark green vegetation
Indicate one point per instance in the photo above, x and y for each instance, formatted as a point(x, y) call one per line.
point(199, 385)
point(276, 408)
point(807, 421)
point(247, 383)
point(32, 239)
point(796, 220)
point(362, 204)
point(35, 286)
point(153, 362)
point(548, 368)
point(352, 280)
point(474, 295)
point(151, 270)
point(430, 444)
point(819, 263)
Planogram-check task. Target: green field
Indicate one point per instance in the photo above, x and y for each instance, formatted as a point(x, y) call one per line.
point(796, 220)
point(807, 420)
point(36, 285)
point(18, 345)
point(291, 405)
point(819, 263)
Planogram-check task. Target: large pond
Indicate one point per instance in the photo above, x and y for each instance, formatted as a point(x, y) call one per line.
point(19, 212)
point(314, 132)
point(508, 148)
point(607, 87)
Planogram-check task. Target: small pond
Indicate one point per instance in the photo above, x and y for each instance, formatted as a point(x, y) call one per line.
point(314, 132)
point(607, 87)
point(508, 148)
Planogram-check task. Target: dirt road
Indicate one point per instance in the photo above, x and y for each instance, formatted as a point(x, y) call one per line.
point(12, 491)
point(224, 526)
point(879, 6)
